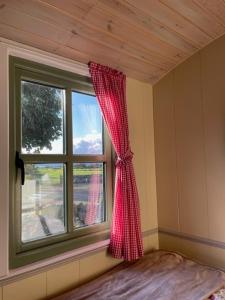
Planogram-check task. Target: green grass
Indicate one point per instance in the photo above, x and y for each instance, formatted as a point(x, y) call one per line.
point(55, 174)
point(79, 172)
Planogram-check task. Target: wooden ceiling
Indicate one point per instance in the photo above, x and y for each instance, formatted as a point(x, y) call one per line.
point(143, 38)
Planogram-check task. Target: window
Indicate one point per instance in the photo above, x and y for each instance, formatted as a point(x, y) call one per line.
point(57, 131)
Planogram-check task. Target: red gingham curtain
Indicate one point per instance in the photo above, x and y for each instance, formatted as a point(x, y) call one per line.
point(125, 237)
point(93, 205)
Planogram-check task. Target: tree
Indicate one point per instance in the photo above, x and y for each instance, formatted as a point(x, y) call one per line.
point(41, 116)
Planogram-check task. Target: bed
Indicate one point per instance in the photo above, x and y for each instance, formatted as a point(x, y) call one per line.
point(158, 275)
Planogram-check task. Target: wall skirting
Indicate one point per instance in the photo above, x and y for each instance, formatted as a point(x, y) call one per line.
point(202, 250)
point(192, 238)
point(150, 232)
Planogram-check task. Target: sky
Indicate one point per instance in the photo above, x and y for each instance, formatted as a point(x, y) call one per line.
point(87, 124)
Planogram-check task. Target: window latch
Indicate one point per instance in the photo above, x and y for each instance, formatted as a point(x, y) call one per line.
point(20, 165)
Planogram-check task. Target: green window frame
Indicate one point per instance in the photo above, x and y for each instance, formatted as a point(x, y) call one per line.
point(24, 253)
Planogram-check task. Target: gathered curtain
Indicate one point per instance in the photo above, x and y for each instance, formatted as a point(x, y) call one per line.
point(125, 237)
point(93, 211)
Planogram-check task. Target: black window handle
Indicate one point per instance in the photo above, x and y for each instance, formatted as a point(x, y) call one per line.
point(20, 165)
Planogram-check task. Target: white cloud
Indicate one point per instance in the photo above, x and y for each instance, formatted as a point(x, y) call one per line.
point(89, 144)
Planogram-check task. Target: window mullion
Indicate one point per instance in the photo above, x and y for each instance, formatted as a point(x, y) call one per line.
point(43, 158)
point(17, 103)
point(69, 151)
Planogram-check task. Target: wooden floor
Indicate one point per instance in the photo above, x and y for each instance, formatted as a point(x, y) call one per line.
point(143, 38)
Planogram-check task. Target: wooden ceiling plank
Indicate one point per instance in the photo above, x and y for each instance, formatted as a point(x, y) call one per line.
point(117, 27)
point(54, 17)
point(71, 53)
point(97, 19)
point(31, 25)
point(18, 35)
point(45, 44)
point(197, 16)
point(138, 18)
point(217, 8)
point(173, 20)
point(89, 47)
point(86, 21)
point(130, 51)
point(144, 39)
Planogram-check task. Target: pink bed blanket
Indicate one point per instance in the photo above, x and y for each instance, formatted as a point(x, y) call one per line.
point(219, 295)
point(160, 275)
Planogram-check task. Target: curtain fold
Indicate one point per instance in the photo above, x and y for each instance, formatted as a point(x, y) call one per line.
point(93, 213)
point(125, 237)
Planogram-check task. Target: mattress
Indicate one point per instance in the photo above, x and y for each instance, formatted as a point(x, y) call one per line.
point(160, 275)
point(219, 295)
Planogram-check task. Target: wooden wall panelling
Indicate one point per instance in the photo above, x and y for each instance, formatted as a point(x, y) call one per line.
point(193, 207)
point(149, 154)
point(165, 152)
point(213, 70)
point(137, 139)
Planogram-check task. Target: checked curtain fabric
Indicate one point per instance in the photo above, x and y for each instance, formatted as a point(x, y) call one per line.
point(125, 237)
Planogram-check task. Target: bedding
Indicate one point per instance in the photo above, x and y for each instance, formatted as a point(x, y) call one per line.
point(159, 275)
point(219, 295)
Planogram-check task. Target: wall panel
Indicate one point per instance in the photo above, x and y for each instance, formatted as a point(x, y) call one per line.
point(32, 288)
point(149, 155)
point(165, 153)
point(62, 278)
point(213, 74)
point(140, 117)
point(200, 252)
point(190, 147)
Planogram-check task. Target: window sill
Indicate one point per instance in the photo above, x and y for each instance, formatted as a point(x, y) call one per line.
point(49, 263)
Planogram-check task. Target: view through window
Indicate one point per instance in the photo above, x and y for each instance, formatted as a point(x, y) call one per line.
point(43, 195)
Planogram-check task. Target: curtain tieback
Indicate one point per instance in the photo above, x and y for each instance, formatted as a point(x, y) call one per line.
point(122, 160)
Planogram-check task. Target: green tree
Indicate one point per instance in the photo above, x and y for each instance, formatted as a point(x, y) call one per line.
point(41, 116)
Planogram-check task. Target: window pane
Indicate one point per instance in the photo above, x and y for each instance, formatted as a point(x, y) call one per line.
point(87, 125)
point(42, 118)
point(43, 201)
point(88, 196)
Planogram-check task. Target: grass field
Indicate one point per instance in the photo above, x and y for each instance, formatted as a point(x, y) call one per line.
point(55, 174)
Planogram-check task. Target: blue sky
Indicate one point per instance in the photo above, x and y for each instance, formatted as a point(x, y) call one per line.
point(86, 115)
point(87, 124)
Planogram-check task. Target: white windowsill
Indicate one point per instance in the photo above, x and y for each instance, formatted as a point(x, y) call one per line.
point(49, 263)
